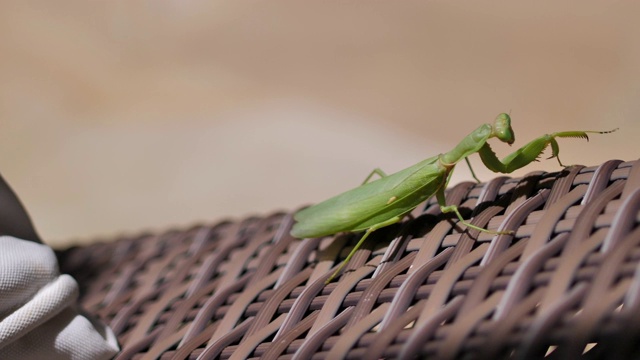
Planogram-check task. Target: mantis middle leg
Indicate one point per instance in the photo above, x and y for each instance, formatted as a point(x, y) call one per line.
point(454, 209)
point(373, 228)
point(471, 169)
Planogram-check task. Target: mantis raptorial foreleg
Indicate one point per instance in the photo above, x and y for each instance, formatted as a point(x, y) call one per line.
point(530, 152)
point(375, 171)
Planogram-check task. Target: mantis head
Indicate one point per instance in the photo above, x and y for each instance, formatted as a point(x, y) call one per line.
point(502, 129)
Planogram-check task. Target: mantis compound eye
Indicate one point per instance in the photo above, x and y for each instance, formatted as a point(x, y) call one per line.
point(502, 129)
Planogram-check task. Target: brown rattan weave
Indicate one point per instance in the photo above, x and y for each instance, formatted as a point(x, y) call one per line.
point(566, 285)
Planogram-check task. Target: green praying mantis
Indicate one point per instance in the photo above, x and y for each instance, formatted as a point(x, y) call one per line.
point(385, 201)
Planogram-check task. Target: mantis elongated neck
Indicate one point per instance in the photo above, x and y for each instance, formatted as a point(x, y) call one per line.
point(469, 145)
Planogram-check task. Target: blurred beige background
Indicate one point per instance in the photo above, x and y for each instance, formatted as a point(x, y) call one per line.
point(116, 117)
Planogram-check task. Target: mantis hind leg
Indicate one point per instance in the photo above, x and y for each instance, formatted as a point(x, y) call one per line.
point(373, 228)
point(375, 171)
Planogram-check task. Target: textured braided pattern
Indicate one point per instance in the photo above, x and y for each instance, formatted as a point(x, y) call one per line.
point(569, 280)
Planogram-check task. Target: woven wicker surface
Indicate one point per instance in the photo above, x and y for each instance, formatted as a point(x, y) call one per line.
point(568, 280)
